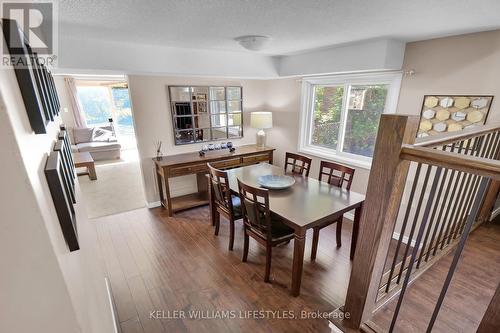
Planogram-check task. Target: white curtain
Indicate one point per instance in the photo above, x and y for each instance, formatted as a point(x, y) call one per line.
point(75, 103)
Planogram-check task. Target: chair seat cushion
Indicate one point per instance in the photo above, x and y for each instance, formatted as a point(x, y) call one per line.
point(236, 207)
point(279, 230)
point(98, 146)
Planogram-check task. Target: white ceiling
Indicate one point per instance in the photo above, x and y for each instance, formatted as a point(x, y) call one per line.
point(294, 25)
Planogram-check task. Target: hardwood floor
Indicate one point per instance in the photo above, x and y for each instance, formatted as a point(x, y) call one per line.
point(472, 287)
point(156, 262)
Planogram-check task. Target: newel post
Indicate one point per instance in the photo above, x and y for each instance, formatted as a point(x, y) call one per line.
point(383, 196)
point(491, 318)
point(491, 197)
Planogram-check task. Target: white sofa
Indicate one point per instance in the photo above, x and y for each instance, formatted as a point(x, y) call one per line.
point(81, 139)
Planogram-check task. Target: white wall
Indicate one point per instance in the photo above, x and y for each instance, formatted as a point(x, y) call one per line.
point(96, 55)
point(152, 119)
point(43, 287)
point(34, 293)
point(64, 98)
point(460, 65)
point(463, 64)
point(284, 99)
point(364, 56)
point(467, 64)
point(91, 56)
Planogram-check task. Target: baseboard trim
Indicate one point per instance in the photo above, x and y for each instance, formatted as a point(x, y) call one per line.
point(395, 235)
point(495, 213)
point(112, 304)
point(153, 204)
point(349, 216)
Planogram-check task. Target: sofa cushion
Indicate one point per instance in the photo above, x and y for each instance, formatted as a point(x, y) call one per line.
point(82, 134)
point(98, 146)
point(102, 135)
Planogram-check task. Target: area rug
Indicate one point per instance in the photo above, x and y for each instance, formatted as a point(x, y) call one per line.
point(118, 187)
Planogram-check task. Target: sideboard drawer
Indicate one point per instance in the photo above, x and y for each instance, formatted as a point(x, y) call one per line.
point(188, 170)
point(256, 159)
point(227, 163)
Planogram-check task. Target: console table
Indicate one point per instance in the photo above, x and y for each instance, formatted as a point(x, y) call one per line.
point(194, 164)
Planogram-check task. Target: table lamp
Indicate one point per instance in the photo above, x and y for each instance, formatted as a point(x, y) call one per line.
point(261, 120)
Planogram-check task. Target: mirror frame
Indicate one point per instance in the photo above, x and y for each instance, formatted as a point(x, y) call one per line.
point(209, 113)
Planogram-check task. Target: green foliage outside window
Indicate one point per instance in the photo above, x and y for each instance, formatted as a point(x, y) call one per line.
point(327, 112)
point(361, 124)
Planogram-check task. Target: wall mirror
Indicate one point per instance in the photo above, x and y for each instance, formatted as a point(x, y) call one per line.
point(206, 113)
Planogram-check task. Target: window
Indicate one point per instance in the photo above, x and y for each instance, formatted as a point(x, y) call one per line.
point(340, 115)
point(101, 102)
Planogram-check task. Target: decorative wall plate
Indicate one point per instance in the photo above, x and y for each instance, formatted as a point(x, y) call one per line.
point(431, 101)
point(429, 114)
point(455, 127)
point(462, 102)
point(475, 116)
point(458, 116)
point(479, 103)
point(446, 102)
point(425, 125)
point(441, 113)
point(440, 127)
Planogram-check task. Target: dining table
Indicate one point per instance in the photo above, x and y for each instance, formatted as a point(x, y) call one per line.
point(308, 203)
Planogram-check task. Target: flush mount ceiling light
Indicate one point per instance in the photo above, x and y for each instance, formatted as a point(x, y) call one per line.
point(252, 42)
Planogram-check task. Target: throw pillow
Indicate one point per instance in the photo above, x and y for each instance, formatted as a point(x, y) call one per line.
point(102, 135)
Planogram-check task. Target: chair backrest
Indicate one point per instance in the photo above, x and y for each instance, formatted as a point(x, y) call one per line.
point(255, 208)
point(336, 174)
point(298, 164)
point(220, 187)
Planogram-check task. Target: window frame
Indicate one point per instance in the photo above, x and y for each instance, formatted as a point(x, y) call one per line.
point(393, 79)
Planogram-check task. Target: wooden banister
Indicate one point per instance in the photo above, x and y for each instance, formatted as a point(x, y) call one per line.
point(449, 137)
point(385, 189)
point(395, 149)
point(471, 164)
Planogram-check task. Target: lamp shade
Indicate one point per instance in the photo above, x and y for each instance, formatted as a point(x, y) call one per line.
point(261, 119)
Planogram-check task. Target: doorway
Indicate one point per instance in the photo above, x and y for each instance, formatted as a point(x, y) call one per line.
point(105, 105)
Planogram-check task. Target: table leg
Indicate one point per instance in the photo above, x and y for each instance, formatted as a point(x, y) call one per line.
point(92, 173)
point(355, 229)
point(211, 202)
point(298, 260)
point(159, 180)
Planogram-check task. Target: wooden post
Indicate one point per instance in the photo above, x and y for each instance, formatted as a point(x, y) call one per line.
point(489, 201)
point(491, 198)
point(491, 319)
point(383, 197)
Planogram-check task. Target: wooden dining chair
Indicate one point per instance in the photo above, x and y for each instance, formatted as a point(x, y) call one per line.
point(297, 164)
point(268, 230)
point(336, 175)
point(223, 202)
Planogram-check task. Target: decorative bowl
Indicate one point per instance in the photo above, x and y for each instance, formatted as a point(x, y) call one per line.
point(275, 182)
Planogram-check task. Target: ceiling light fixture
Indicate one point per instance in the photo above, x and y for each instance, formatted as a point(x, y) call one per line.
point(253, 42)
